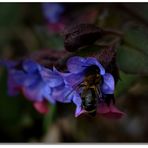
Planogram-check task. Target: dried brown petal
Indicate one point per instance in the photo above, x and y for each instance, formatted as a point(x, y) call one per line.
point(50, 58)
point(81, 35)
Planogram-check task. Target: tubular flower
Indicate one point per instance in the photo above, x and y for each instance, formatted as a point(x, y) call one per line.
point(53, 13)
point(89, 80)
point(13, 87)
point(35, 82)
point(109, 110)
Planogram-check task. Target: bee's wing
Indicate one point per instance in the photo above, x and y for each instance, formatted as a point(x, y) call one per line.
point(75, 87)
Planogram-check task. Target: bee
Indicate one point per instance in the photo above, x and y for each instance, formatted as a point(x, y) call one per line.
point(90, 89)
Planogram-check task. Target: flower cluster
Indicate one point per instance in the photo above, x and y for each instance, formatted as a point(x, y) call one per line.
point(34, 81)
point(86, 84)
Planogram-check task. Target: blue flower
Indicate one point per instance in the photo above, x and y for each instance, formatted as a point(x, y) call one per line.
point(13, 87)
point(42, 85)
point(52, 11)
point(35, 81)
point(77, 67)
point(64, 92)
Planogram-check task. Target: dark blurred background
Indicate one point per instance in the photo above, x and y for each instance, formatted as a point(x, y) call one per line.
point(25, 29)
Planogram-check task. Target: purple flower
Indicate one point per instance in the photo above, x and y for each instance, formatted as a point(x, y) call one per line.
point(13, 87)
point(78, 67)
point(41, 106)
point(35, 82)
point(109, 111)
point(64, 92)
point(41, 85)
point(52, 12)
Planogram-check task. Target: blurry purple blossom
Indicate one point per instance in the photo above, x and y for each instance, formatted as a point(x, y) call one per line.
point(35, 82)
point(13, 87)
point(52, 12)
point(42, 85)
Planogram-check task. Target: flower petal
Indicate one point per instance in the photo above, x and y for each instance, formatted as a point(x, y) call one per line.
point(31, 81)
point(74, 79)
point(32, 95)
point(103, 108)
point(8, 64)
point(108, 85)
point(109, 111)
point(94, 61)
point(47, 93)
point(30, 66)
point(63, 94)
point(41, 107)
point(79, 111)
point(78, 102)
point(53, 78)
point(76, 64)
point(52, 11)
point(116, 113)
point(25, 79)
point(13, 88)
point(15, 81)
point(113, 115)
point(77, 99)
point(37, 92)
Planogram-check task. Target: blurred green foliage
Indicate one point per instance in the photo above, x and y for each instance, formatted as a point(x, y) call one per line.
point(126, 81)
point(132, 61)
point(10, 14)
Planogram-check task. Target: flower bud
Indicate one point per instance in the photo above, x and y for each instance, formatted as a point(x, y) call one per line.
point(81, 35)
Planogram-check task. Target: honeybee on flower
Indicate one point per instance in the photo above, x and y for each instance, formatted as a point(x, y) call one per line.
point(93, 88)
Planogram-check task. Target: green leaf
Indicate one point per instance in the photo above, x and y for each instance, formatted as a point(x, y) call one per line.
point(49, 118)
point(132, 61)
point(10, 107)
point(126, 80)
point(48, 39)
point(137, 37)
point(139, 11)
point(56, 42)
point(10, 14)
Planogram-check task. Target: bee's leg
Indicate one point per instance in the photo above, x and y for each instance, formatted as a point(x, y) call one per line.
point(82, 84)
point(83, 97)
point(97, 91)
point(84, 93)
point(76, 88)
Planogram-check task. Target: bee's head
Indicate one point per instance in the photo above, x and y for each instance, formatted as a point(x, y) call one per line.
point(92, 70)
